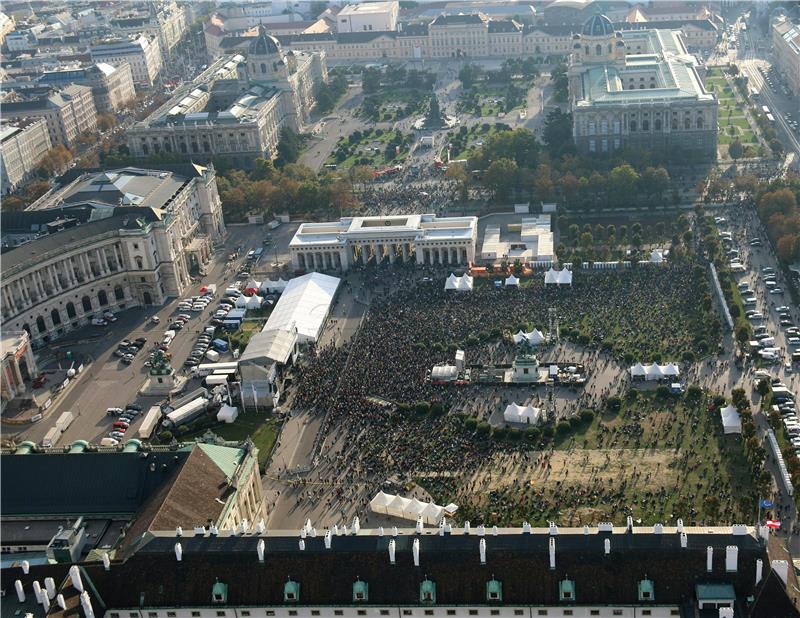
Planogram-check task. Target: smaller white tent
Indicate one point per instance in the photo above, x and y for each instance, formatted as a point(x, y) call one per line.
point(653, 372)
point(638, 371)
point(397, 507)
point(445, 373)
point(551, 276)
point(565, 277)
point(415, 508)
point(656, 257)
point(465, 283)
point(253, 302)
point(535, 337)
point(227, 414)
point(731, 421)
point(512, 280)
point(670, 370)
point(515, 413)
point(270, 286)
point(451, 283)
point(432, 513)
point(252, 285)
point(241, 302)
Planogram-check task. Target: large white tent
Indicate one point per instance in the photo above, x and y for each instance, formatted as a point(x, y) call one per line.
point(731, 420)
point(656, 257)
point(551, 276)
point(565, 277)
point(397, 506)
point(512, 280)
point(451, 283)
point(515, 413)
point(253, 302)
point(463, 283)
point(241, 302)
point(655, 371)
point(227, 414)
point(535, 337)
point(304, 305)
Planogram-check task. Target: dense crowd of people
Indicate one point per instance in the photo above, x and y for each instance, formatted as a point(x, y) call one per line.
point(412, 326)
point(412, 195)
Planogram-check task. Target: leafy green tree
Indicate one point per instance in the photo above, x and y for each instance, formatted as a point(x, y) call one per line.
point(623, 181)
point(558, 133)
point(288, 147)
point(501, 176)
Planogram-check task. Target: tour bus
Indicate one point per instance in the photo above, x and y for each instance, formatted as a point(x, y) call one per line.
point(771, 118)
point(215, 380)
point(765, 109)
point(208, 369)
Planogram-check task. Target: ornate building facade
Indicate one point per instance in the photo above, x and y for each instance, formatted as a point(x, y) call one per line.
point(106, 242)
point(638, 89)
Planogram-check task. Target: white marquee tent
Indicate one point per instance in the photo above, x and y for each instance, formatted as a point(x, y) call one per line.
point(656, 257)
point(535, 337)
point(463, 283)
point(444, 373)
point(397, 506)
point(731, 421)
point(512, 280)
point(270, 286)
point(241, 302)
point(227, 414)
point(304, 305)
point(253, 302)
point(638, 371)
point(655, 371)
point(521, 414)
point(558, 277)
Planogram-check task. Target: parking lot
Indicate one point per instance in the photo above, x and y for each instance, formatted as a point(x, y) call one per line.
point(108, 381)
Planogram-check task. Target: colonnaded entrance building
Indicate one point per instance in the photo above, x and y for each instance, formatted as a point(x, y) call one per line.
point(427, 239)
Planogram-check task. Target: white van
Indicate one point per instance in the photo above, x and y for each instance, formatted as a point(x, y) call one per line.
point(109, 442)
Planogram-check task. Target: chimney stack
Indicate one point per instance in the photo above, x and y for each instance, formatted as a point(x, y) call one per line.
point(45, 603)
point(20, 591)
point(732, 558)
point(243, 527)
point(394, 530)
point(441, 529)
point(607, 546)
point(212, 530)
point(680, 525)
point(26, 566)
point(75, 576)
point(630, 523)
point(261, 527)
point(260, 547)
point(302, 545)
point(87, 605)
point(106, 561)
point(709, 559)
point(684, 540)
point(781, 568)
point(313, 533)
point(307, 525)
point(415, 549)
point(658, 529)
point(526, 527)
point(552, 546)
point(466, 527)
point(391, 551)
point(356, 525)
point(482, 548)
point(178, 551)
point(61, 602)
point(494, 530)
point(481, 530)
point(178, 531)
point(419, 524)
point(303, 532)
point(328, 539)
point(37, 590)
point(336, 530)
point(585, 530)
point(759, 571)
point(553, 528)
point(380, 530)
point(50, 586)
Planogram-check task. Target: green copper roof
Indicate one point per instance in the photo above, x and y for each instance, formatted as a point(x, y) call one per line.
point(714, 592)
point(225, 457)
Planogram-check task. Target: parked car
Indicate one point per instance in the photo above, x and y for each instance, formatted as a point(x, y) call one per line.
point(109, 316)
point(140, 341)
point(776, 291)
point(99, 322)
point(114, 411)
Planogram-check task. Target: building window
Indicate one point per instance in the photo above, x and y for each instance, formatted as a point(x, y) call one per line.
point(617, 612)
point(633, 126)
point(171, 614)
point(541, 612)
point(221, 612)
point(152, 614)
point(245, 613)
point(315, 612)
point(196, 614)
point(519, 612)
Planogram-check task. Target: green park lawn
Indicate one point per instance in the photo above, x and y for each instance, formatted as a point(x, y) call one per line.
point(261, 427)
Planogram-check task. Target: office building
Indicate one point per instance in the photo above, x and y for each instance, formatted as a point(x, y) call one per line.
point(112, 86)
point(368, 17)
point(69, 112)
point(23, 144)
point(141, 52)
point(786, 46)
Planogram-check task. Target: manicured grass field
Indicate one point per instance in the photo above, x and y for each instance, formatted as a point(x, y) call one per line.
point(259, 426)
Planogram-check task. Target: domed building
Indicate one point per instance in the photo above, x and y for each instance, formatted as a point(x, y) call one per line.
point(265, 58)
point(638, 90)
